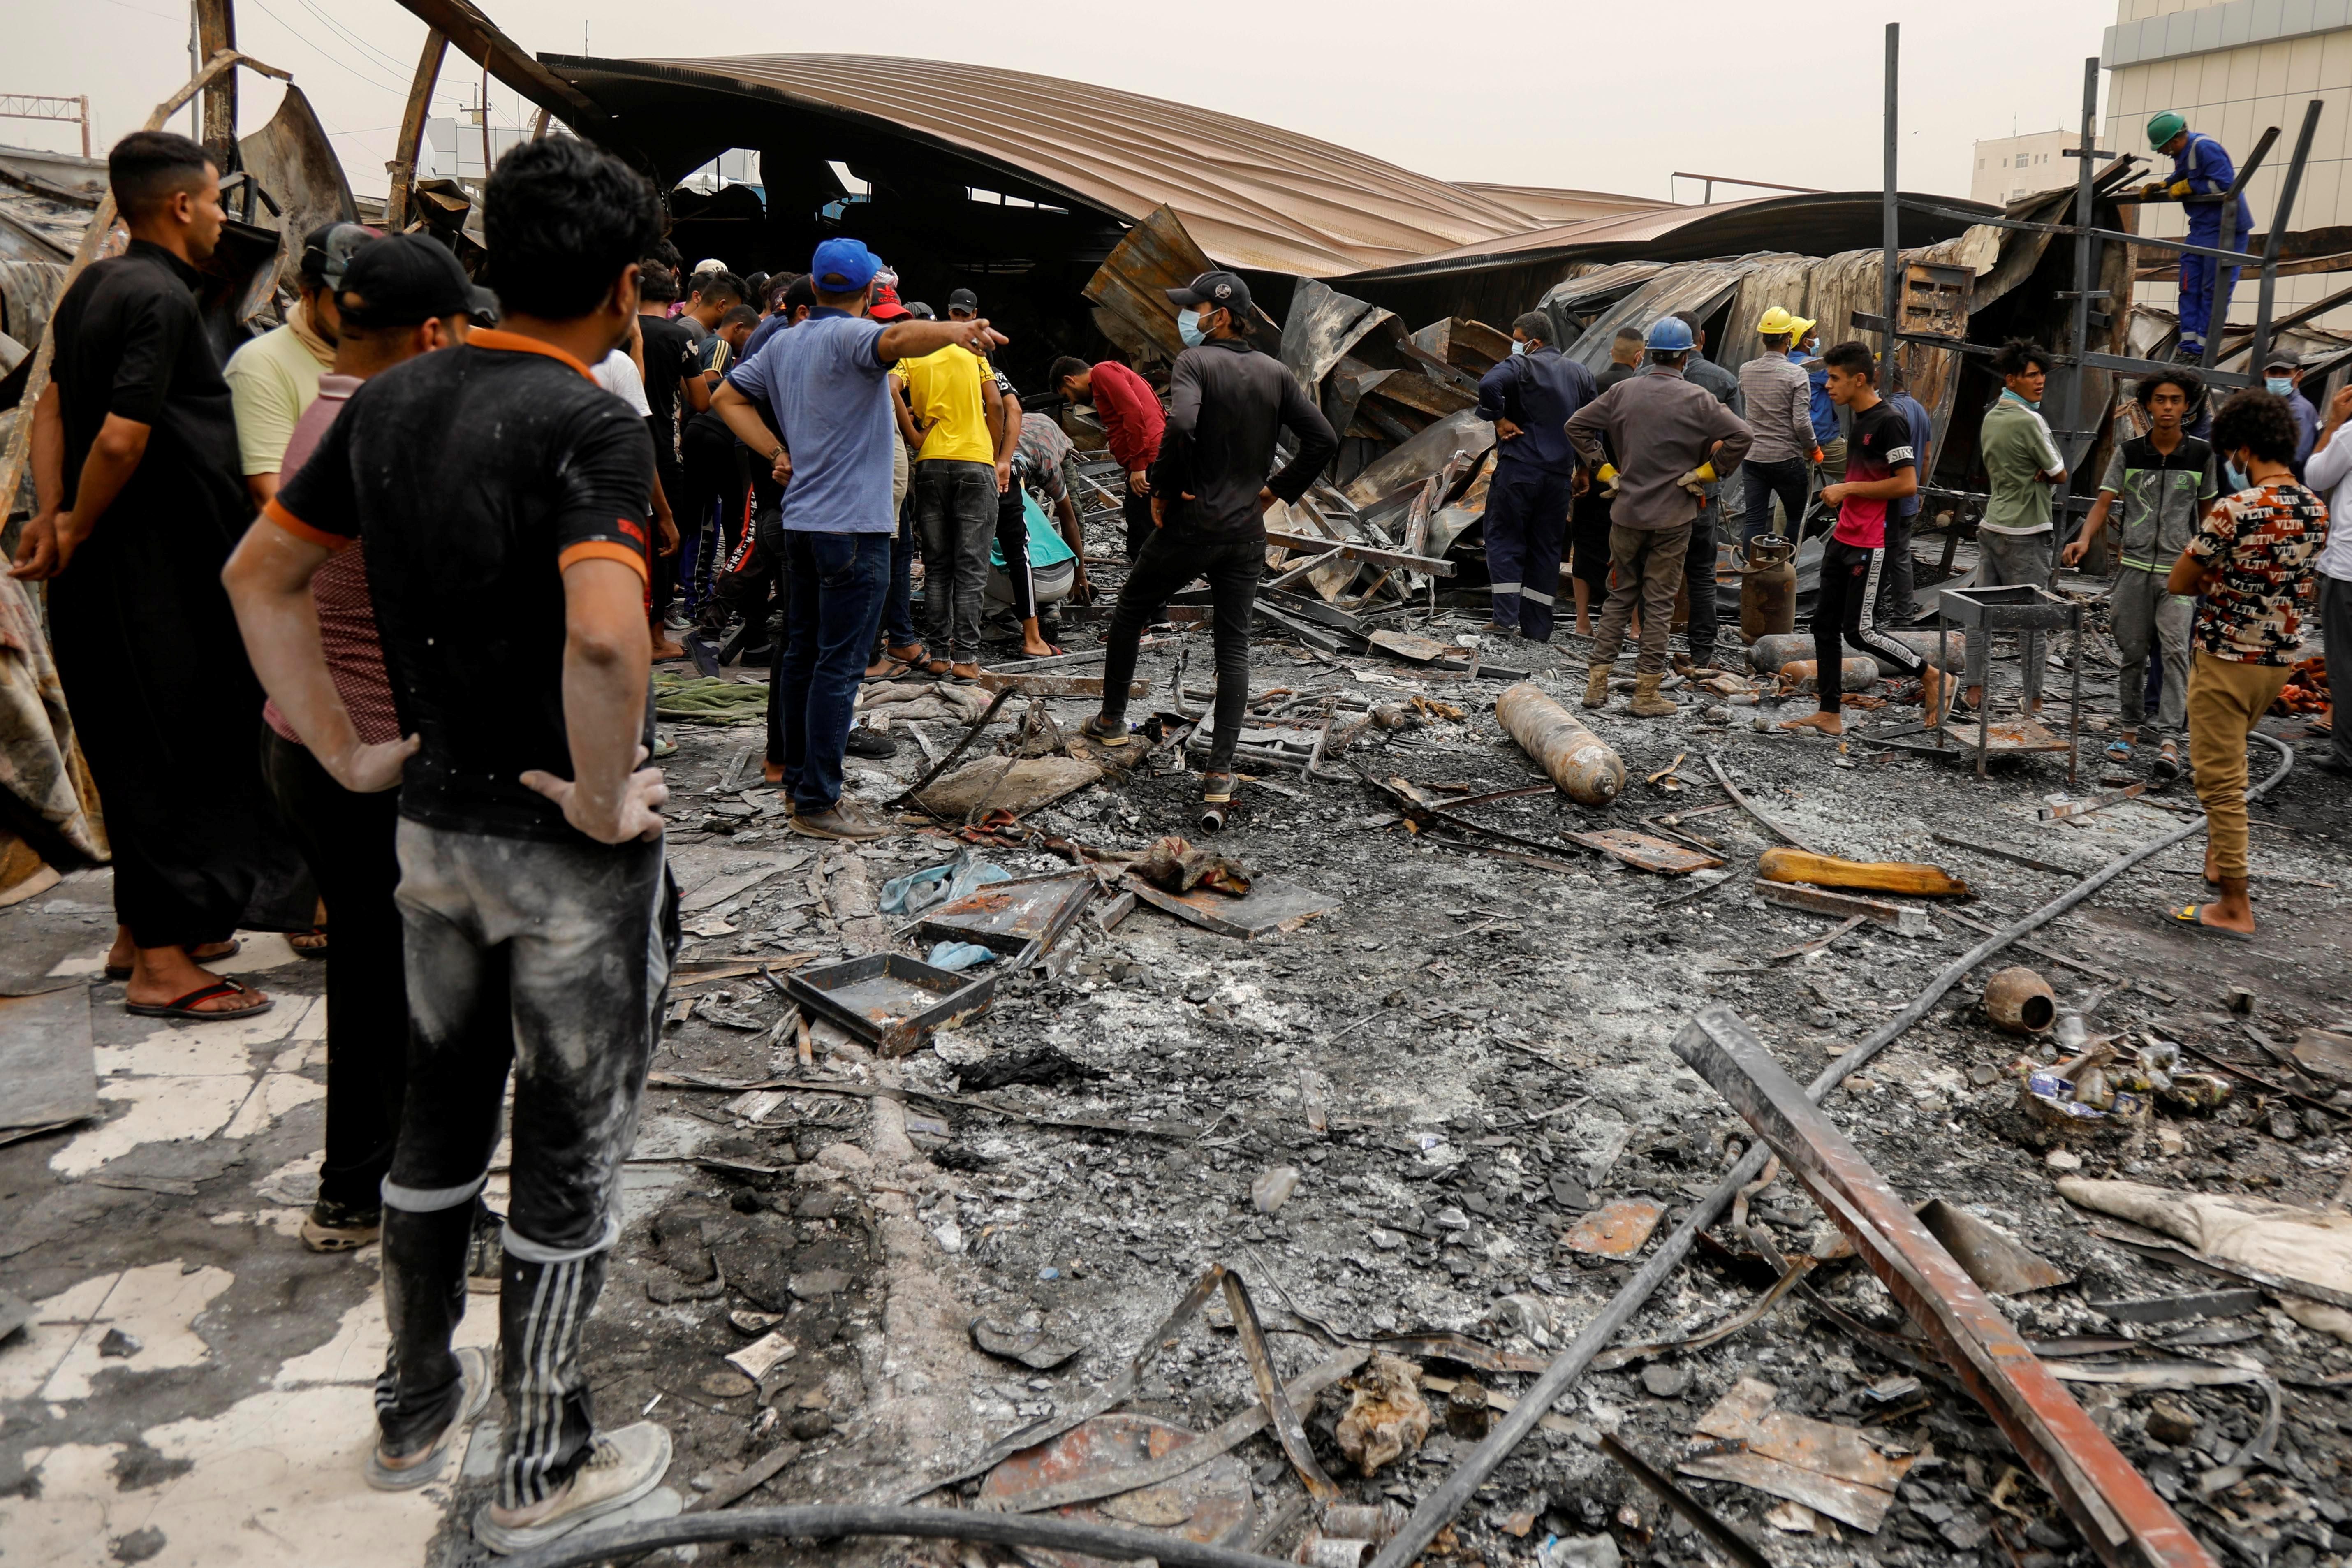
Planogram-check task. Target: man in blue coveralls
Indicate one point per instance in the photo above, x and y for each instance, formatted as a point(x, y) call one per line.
point(2200, 168)
point(1529, 397)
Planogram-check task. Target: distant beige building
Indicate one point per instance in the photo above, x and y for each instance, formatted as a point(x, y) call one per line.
point(2018, 167)
point(2231, 70)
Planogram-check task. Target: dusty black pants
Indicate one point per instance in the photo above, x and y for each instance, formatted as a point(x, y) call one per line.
point(552, 960)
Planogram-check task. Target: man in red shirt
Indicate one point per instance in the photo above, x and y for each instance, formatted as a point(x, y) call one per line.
point(1131, 419)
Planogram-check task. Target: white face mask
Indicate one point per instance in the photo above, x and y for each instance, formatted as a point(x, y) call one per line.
point(1518, 347)
point(1188, 327)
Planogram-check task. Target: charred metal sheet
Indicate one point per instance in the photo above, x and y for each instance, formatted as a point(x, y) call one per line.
point(1831, 1468)
point(1320, 327)
point(1006, 917)
point(1615, 1230)
point(1270, 905)
point(1644, 853)
point(2110, 1502)
point(889, 999)
point(293, 163)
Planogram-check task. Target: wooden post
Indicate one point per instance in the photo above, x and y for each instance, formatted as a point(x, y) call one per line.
point(403, 167)
point(215, 31)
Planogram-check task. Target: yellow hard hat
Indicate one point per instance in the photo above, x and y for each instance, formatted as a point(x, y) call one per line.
point(1777, 320)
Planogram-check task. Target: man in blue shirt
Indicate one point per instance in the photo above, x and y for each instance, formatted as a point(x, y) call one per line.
point(1828, 435)
point(2282, 378)
point(2200, 168)
point(1528, 397)
point(1895, 601)
point(830, 448)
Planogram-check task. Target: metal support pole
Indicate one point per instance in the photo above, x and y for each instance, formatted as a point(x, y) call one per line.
point(2085, 273)
point(215, 31)
point(1890, 266)
point(2262, 340)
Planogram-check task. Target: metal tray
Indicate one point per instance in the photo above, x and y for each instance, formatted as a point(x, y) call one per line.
point(890, 999)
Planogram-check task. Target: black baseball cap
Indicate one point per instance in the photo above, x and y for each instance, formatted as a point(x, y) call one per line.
point(964, 299)
point(403, 280)
point(1215, 291)
point(2282, 359)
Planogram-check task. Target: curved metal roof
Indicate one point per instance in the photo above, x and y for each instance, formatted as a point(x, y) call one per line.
point(1254, 195)
point(1817, 222)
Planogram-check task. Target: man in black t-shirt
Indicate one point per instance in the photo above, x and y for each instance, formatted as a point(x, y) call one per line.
point(1881, 469)
point(503, 499)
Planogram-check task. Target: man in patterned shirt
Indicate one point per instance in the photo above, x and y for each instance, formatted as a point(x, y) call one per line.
point(2250, 566)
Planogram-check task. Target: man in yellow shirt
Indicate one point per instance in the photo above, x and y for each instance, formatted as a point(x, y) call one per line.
point(951, 395)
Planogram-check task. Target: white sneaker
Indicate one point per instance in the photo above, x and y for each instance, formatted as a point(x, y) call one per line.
point(475, 1377)
point(621, 1467)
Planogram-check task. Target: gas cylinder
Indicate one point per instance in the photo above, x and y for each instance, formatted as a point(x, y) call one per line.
point(1768, 587)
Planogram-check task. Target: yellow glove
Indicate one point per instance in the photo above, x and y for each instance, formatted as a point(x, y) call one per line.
point(2178, 188)
point(1707, 471)
point(1696, 480)
point(1607, 474)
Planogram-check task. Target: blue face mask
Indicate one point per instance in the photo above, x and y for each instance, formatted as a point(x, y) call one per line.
point(1518, 347)
point(1188, 327)
point(2235, 477)
point(2278, 385)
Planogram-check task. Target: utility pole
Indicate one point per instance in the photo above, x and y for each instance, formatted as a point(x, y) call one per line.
point(1890, 274)
point(215, 31)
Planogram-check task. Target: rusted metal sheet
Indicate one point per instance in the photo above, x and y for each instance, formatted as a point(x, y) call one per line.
point(1828, 1467)
point(1614, 1230)
point(2109, 1501)
point(1210, 1504)
point(1644, 852)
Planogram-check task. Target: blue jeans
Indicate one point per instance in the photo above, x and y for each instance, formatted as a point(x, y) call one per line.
point(833, 588)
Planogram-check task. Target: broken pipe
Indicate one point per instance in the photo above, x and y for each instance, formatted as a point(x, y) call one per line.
point(1580, 762)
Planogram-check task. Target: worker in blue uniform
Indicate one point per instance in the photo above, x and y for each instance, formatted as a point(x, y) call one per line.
point(1529, 396)
point(2200, 168)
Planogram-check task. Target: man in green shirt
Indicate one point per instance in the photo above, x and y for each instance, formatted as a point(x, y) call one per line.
point(2021, 463)
point(273, 378)
point(2160, 485)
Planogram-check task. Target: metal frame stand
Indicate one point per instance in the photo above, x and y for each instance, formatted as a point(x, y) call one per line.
point(2028, 612)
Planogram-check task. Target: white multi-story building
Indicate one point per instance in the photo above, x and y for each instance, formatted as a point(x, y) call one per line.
point(2233, 69)
point(2016, 166)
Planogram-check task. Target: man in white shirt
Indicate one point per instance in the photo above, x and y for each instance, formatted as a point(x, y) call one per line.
point(2329, 471)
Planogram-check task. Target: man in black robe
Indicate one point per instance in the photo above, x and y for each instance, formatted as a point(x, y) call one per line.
point(140, 502)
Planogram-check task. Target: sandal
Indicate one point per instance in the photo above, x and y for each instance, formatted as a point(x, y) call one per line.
point(185, 1009)
point(2193, 916)
point(1021, 655)
point(318, 949)
point(234, 947)
point(2119, 751)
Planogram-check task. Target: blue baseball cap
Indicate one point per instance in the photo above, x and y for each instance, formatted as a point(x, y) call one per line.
point(1668, 335)
point(843, 267)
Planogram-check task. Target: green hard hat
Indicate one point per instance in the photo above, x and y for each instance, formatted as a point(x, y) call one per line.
point(2164, 128)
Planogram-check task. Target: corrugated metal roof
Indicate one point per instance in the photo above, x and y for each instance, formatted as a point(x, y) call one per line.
point(1814, 223)
point(1551, 205)
point(1252, 196)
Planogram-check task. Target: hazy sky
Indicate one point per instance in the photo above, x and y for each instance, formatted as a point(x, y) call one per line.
point(1606, 96)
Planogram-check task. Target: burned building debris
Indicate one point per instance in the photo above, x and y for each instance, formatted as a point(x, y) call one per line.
point(1512, 1132)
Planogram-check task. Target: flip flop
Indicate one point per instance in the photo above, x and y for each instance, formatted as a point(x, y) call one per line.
point(184, 1007)
point(317, 953)
point(893, 670)
point(235, 946)
point(2119, 751)
point(1021, 655)
point(2192, 916)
